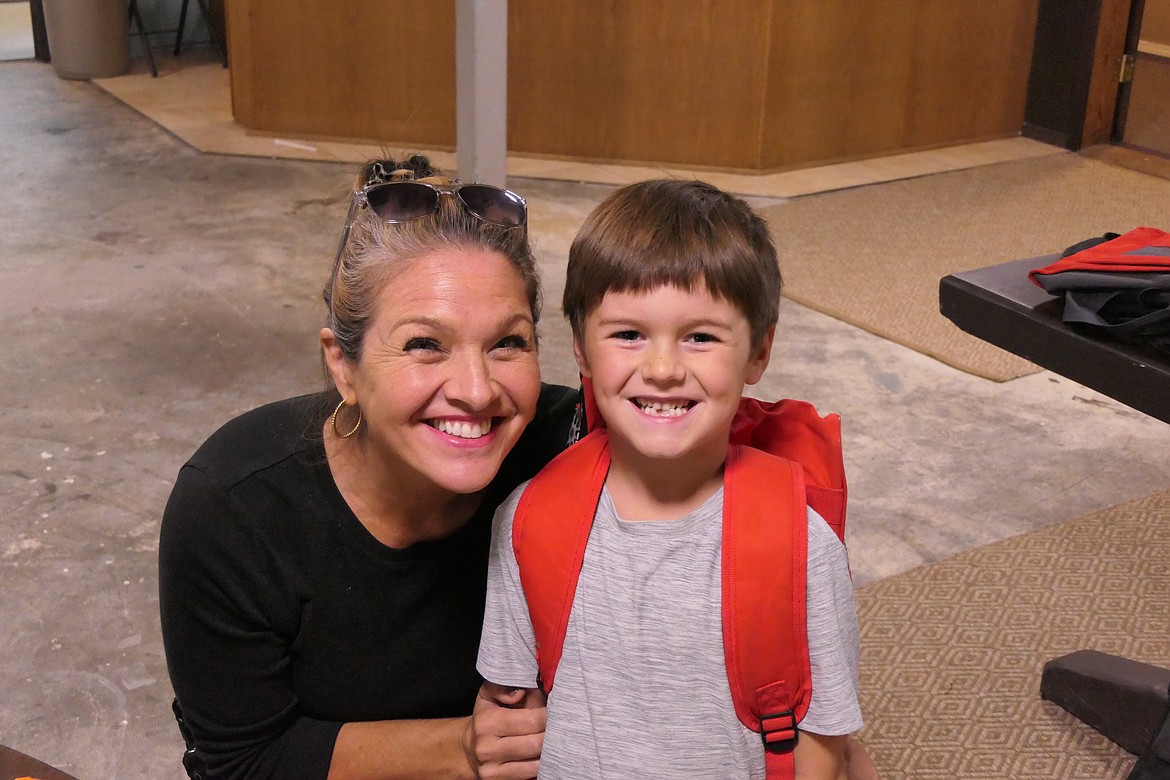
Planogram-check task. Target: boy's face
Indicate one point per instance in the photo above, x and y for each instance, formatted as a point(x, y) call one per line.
point(668, 369)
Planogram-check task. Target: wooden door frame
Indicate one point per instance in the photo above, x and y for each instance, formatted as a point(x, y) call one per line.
point(1131, 46)
point(1073, 85)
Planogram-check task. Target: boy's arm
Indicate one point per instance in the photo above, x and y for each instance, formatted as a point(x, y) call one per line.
point(507, 645)
point(507, 727)
point(834, 651)
point(833, 636)
point(819, 757)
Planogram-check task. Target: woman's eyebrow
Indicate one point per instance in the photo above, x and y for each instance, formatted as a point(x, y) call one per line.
point(442, 325)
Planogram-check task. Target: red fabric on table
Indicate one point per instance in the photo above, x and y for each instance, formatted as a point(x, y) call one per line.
point(1122, 254)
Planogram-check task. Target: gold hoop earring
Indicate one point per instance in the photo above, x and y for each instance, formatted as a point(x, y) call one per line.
point(356, 425)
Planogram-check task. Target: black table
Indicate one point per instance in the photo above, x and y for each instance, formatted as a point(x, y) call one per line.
point(15, 764)
point(1128, 702)
point(1003, 307)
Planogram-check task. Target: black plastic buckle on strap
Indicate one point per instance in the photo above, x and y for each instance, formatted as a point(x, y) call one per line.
point(778, 730)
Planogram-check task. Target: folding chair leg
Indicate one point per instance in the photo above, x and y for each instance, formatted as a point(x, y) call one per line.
point(182, 24)
point(210, 30)
point(215, 41)
point(136, 17)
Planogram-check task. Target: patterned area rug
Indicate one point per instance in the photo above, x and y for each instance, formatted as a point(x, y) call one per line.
point(952, 652)
point(873, 256)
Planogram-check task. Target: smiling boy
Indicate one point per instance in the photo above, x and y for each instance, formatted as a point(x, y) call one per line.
point(672, 292)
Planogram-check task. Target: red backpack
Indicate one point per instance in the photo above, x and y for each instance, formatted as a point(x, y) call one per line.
point(782, 458)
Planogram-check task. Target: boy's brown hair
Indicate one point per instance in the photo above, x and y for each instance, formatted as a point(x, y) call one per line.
point(677, 233)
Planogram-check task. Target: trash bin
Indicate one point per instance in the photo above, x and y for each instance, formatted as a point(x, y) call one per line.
point(88, 39)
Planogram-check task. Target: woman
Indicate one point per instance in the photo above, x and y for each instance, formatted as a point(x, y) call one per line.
point(322, 559)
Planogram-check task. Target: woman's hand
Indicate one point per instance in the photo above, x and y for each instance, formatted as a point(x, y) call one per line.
point(505, 733)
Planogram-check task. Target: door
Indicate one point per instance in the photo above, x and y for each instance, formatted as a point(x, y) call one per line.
point(1143, 117)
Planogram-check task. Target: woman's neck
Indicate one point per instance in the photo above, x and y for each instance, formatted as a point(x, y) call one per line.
point(396, 510)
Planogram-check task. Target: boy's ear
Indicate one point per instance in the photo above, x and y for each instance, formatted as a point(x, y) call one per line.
point(758, 362)
point(340, 369)
point(579, 354)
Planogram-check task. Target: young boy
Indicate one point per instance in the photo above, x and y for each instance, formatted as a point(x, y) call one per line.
point(672, 293)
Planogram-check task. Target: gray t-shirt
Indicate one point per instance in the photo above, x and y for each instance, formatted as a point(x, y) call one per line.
point(641, 689)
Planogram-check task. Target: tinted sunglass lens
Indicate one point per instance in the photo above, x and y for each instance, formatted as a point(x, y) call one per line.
point(491, 204)
point(402, 201)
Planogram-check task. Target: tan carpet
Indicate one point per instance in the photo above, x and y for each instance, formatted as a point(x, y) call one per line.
point(873, 256)
point(952, 652)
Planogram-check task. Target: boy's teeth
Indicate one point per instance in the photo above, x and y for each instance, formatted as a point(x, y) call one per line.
point(464, 430)
point(660, 409)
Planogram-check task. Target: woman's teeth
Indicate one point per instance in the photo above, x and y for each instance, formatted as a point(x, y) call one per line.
point(464, 430)
point(669, 409)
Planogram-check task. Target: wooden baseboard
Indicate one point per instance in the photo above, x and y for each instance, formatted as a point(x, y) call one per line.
point(1134, 159)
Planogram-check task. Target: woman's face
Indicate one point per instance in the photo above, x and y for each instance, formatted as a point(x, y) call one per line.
point(448, 376)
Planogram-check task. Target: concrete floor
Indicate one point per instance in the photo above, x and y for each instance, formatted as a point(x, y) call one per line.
point(149, 293)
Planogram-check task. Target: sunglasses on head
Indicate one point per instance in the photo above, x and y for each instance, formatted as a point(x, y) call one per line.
point(396, 202)
point(406, 201)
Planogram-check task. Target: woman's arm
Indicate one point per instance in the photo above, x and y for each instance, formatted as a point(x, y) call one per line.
point(502, 739)
point(225, 608)
point(401, 750)
point(507, 732)
point(222, 626)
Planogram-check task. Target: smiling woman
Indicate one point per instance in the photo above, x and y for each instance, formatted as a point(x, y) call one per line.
point(446, 381)
point(323, 559)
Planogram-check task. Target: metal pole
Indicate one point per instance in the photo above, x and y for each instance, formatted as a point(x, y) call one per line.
point(481, 90)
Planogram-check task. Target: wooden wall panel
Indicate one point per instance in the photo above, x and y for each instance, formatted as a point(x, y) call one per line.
point(971, 69)
point(375, 70)
point(838, 84)
point(730, 84)
point(677, 82)
point(1156, 22)
point(848, 80)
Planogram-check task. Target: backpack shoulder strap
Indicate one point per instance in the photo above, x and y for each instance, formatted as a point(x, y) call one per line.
point(549, 533)
point(765, 636)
